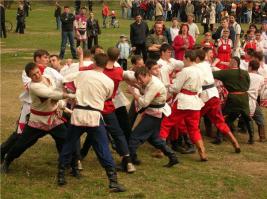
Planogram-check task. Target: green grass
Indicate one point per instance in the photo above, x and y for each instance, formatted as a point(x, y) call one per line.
point(33, 175)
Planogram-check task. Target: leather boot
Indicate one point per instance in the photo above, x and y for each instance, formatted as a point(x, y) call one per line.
point(135, 160)
point(157, 154)
point(234, 142)
point(75, 172)
point(208, 127)
point(190, 147)
point(171, 155)
point(61, 175)
point(5, 166)
point(251, 133)
point(113, 181)
point(261, 131)
point(201, 150)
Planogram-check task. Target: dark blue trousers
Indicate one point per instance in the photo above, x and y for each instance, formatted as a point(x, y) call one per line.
point(147, 130)
point(97, 138)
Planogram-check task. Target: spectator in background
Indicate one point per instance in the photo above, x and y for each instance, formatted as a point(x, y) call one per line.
point(93, 30)
point(249, 11)
point(26, 7)
point(3, 20)
point(189, 8)
point(123, 8)
point(105, 13)
point(174, 29)
point(158, 10)
point(175, 8)
point(151, 9)
point(193, 28)
point(67, 19)
point(138, 33)
point(125, 48)
point(57, 15)
point(77, 5)
point(20, 20)
point(219, 9)
point(205, 18)
point(90, 5)
point(212, 20)
point(184, 41)
point(182, 13)
point(129, 8)
point(154, 42)
point(80, 23)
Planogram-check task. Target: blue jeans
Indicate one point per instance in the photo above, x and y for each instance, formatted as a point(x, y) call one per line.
point(98, 139)
point(65, 36)
point(58, 21)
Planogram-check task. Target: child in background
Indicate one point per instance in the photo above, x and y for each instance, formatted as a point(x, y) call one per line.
point(125, 49)
point(113, 18)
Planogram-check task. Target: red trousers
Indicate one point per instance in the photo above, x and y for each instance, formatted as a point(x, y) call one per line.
point(185, 120)
point(213, 110)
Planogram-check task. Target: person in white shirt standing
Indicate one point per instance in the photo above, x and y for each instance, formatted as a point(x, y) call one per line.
point(188, 85)
point(93, 88)
point(193, 28)
point(210, 96)
point(153, 104)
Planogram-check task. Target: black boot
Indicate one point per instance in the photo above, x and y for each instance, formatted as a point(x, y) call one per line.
point(126, 165)
point(61, 175)
point(171, 155)
point(74, 169)
point(5, 166)
point(135, 160)
point(177, 144)
point(218, 139)
point(113, 181)
point(190, 147)
point(251, 132)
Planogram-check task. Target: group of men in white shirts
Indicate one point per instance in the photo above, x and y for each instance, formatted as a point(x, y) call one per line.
point(171, 95)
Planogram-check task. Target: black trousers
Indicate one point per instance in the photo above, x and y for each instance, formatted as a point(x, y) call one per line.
point(132, 114)
point(123, 119)
point(3, 30)
point(90, 41)
point(147, 130)
point(141, 49)
point(31, 135)
point(123, 63)
point(20, 27)
point(112, 127)
point(7, 145)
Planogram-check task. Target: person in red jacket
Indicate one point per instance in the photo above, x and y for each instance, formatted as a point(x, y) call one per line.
point(182, 42)
point(105, 13)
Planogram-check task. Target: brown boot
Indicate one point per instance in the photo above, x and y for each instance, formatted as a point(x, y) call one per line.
point(261, 131)
point(201, 150)
point(157, 154)
point(234, 142)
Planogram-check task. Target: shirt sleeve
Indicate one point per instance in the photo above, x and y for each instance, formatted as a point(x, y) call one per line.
point(43, 91)
point(148, 96)
point(178, 82)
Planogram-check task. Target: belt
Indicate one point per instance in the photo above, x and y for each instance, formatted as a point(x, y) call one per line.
point(41, 113)
point(151, 106)
point(188, 92)
point(237, 93)
point(205, 87)
point(89, 108)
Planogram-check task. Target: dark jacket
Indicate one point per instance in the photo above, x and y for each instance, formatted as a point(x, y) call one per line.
point(57, 11)
point(138, 33)
point(217, 34)
point(20, 16)
point(3, 16)
point(67, 21)
point(93, 28)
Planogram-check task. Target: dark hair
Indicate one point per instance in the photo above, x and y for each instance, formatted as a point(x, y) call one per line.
point(258, 55)
point(207, 49)
point(254, 65)
point(113, 53)
point(39, 53)
point(136, 58)
point(101, 60)
point(141, 71)
point(159, 19)
point(94, 48)
point(250, 51)
point(237, 59)
point(201, 54)
point(253, 25)
point(197, 46)
point(190, 54)
point(54, 55)
point(175, 18)
point(150, 63)
point(86, 53)
point(164, 47)
point(66, 7)
point(181, 27)
point(29, 67)
point(224, 18)
point(258, 31)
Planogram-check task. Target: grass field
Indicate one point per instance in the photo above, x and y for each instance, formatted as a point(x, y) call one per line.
point(33, 175)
